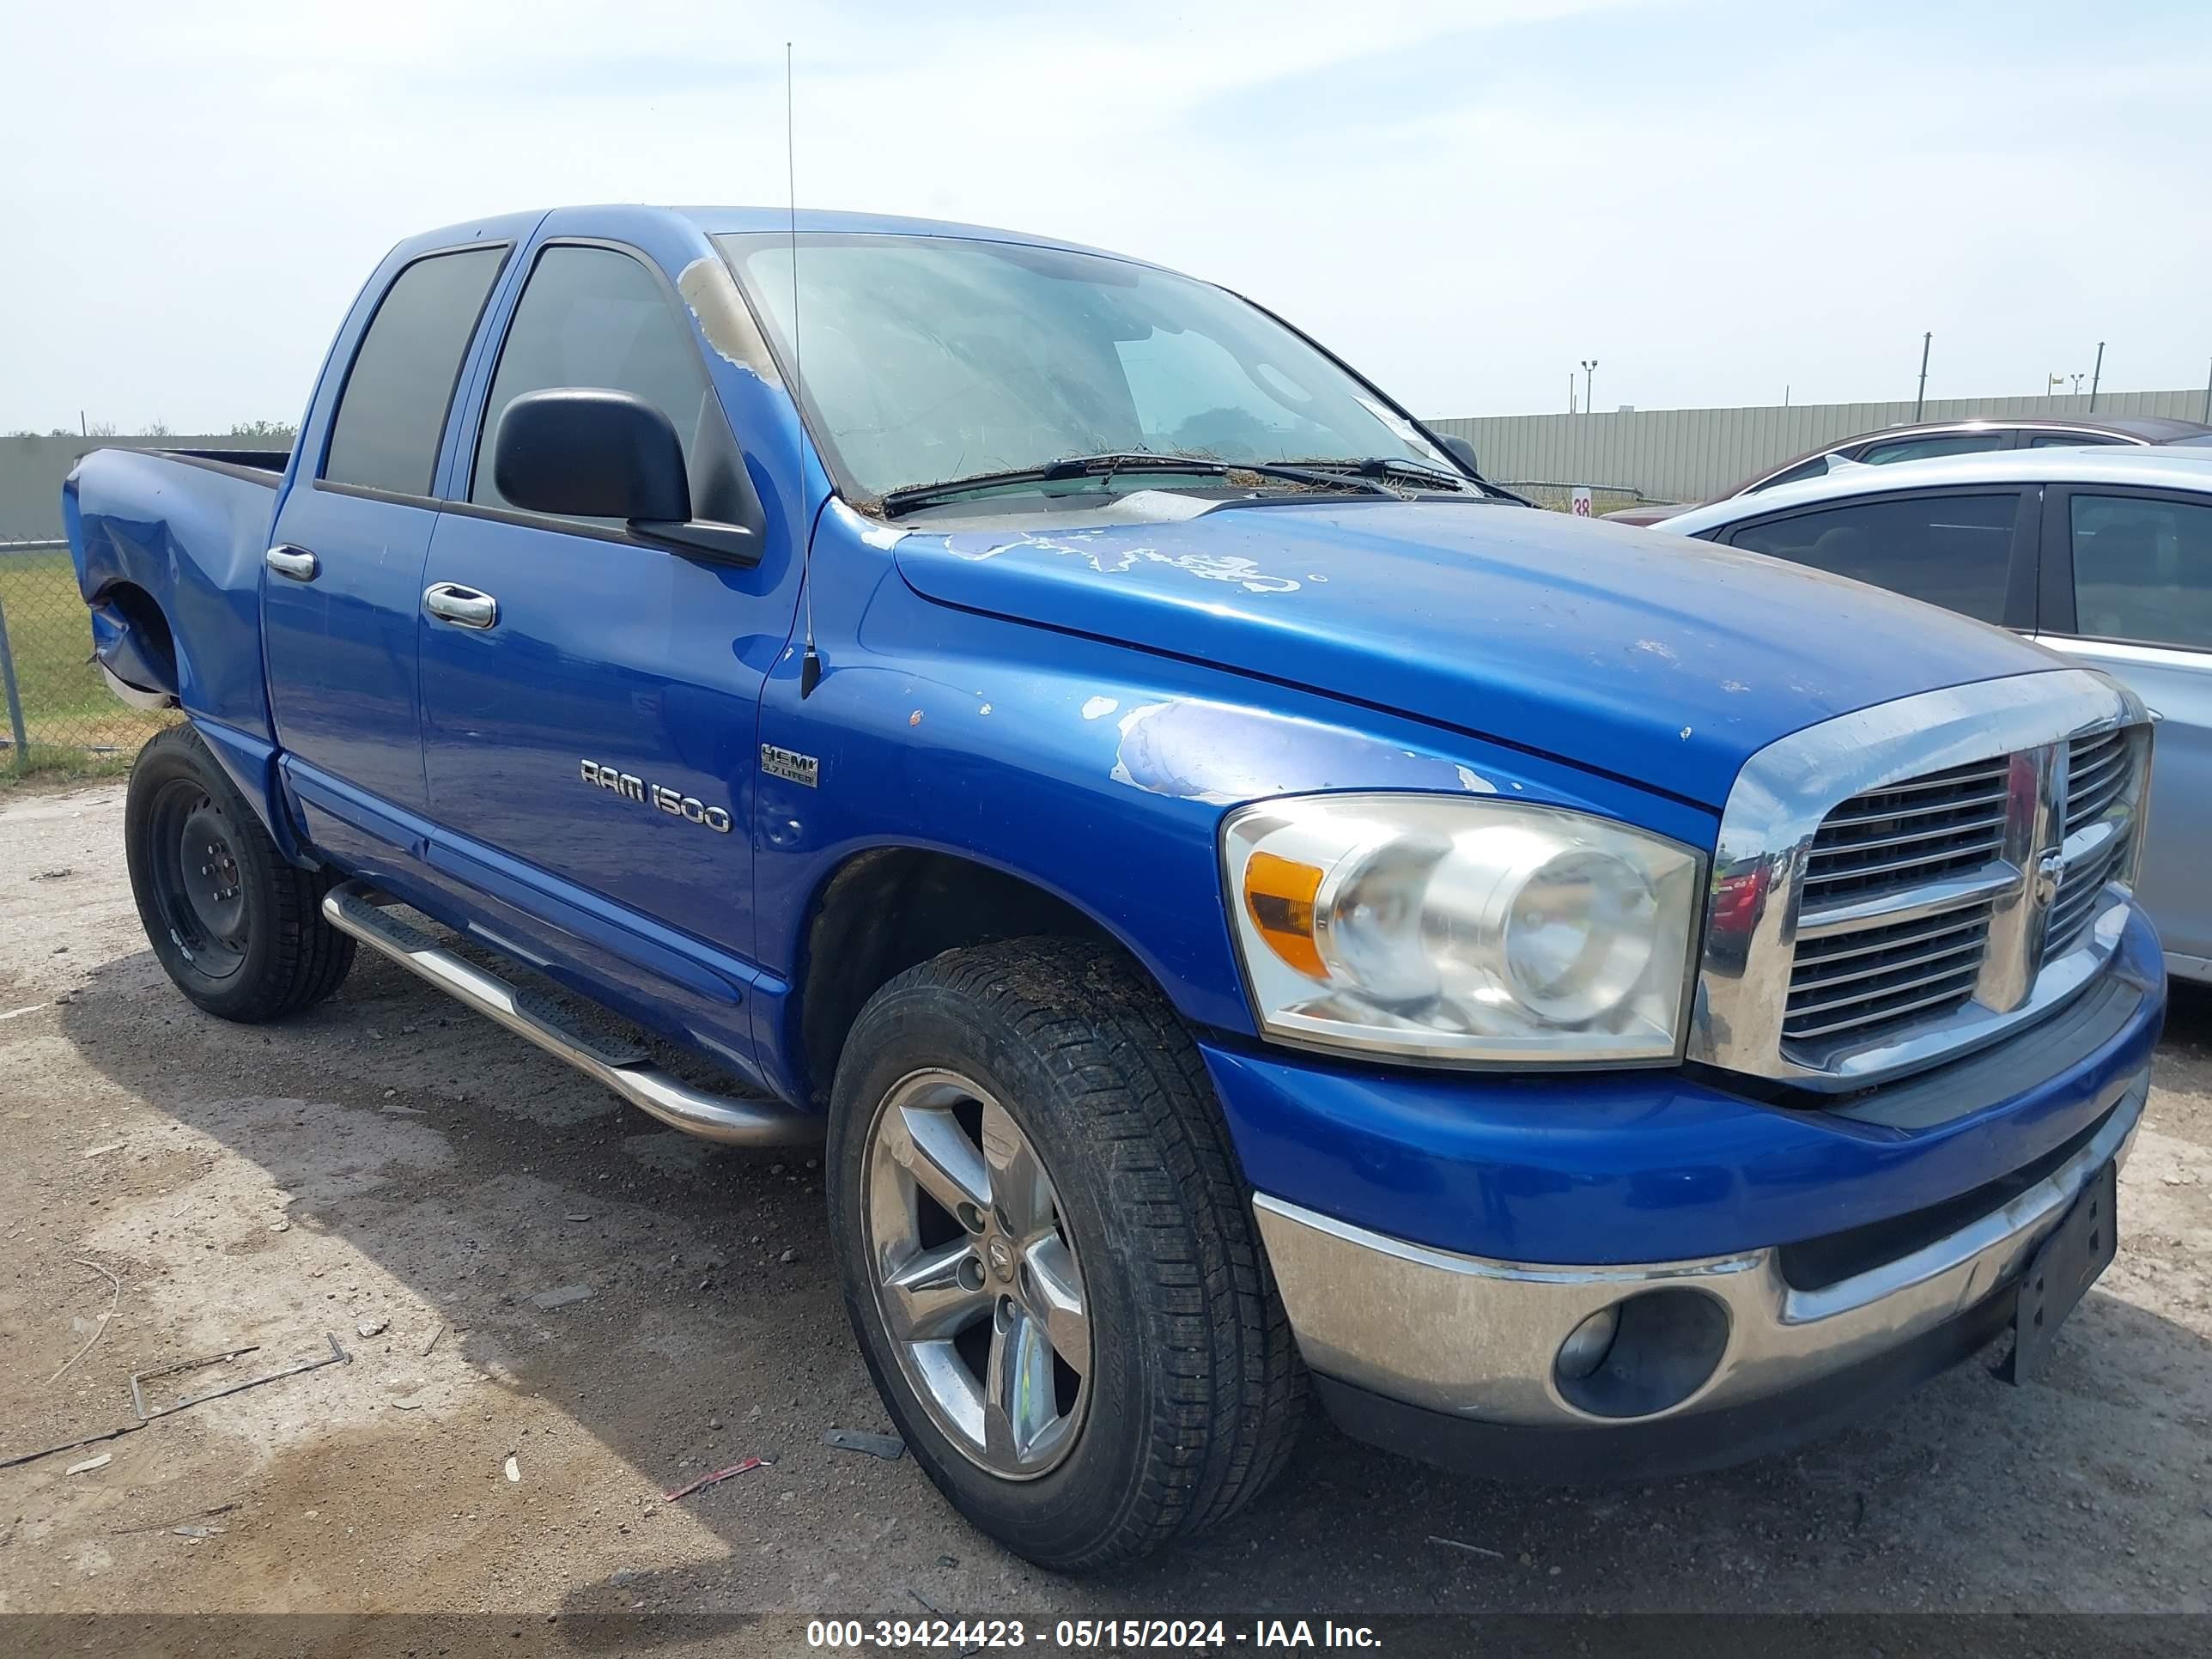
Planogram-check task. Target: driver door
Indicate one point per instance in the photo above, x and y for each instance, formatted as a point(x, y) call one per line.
point(589, 700)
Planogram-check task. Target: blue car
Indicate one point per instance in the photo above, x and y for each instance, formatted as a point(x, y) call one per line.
point(1251, 908)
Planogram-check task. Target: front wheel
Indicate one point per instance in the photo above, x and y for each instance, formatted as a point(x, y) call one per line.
point(1047, 1256)
point(238, 928)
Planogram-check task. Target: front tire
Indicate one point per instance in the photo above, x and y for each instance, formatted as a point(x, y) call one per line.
point(1048, 1257)
point(238, 928)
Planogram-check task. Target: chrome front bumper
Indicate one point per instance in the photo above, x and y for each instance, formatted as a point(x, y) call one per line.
point(1480, 1339)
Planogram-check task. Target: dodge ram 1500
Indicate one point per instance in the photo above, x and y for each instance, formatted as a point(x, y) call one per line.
point(1252, 908)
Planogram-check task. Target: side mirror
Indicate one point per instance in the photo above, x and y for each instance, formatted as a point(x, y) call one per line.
point(589, 453)
point(1462, 452)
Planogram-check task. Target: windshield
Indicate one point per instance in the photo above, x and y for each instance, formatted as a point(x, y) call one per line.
point(929, 358)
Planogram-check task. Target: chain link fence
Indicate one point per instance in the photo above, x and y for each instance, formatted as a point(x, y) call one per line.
point(60, 719)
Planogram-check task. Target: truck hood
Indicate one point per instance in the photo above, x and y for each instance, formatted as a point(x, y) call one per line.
point(1657, 659)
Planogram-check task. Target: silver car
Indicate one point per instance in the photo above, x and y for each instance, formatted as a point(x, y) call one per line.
point(2104, 554)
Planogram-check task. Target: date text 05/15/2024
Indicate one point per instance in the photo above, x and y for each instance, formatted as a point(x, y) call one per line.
point(1085, 1635)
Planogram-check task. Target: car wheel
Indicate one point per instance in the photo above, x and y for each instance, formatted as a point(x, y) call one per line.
point(1048, 1257)
point(238, 927)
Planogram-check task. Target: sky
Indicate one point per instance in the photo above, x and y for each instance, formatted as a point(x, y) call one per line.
point(1715, 201)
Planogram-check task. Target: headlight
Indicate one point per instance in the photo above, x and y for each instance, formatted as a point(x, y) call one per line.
point(1461, 930)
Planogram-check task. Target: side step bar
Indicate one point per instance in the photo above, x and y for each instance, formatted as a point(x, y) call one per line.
point(351, 908)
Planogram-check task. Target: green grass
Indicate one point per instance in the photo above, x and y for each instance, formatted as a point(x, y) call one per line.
point(77, 727)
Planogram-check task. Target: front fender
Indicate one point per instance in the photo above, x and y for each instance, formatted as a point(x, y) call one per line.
point(1097, 771)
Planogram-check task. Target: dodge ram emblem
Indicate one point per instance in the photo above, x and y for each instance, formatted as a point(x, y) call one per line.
point(676, 804)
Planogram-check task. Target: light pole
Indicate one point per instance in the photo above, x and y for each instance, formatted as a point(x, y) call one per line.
point(2097, 376)
point(1589, 372)
point(1920, 402)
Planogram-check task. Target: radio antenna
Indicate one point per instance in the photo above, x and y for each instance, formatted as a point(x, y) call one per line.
point(810, 661)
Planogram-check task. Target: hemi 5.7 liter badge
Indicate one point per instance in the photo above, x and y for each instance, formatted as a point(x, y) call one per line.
point(630, 786)
point(790, 765)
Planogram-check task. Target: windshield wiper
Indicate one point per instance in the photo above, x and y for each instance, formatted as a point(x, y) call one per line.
point(896, 501)
point(1393, 467)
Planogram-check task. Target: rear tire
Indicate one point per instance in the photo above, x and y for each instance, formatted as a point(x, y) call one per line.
point(238, 928)
point(1181, 1394)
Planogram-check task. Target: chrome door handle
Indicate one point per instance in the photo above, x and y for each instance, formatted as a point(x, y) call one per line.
point(296, 562)
point(463, 606)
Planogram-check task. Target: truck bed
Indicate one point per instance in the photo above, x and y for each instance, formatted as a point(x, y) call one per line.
point(177, 534)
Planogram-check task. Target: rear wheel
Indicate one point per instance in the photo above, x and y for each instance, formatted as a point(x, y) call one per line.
point(1048, 1257)
point(238, 928)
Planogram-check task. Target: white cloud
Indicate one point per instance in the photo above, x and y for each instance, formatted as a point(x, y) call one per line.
point(1462, 199)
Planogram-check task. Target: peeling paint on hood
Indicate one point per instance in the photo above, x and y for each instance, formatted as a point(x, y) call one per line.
point(1109, 559)
point(1524, 627)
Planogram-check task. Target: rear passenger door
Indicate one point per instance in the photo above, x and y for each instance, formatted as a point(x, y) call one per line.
point(1968, 551)
point(340, 593)
point(2127, 586)
point(589, 726)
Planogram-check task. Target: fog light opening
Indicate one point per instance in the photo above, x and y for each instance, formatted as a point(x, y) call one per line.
point(1588, 1343)
point(1644, 1354)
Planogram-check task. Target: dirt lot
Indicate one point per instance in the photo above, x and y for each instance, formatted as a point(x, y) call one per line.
point(534, 1281)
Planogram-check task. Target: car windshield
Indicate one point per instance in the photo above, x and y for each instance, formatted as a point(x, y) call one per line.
point(931, 358)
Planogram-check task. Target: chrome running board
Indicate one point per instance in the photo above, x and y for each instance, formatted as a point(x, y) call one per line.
point(351, 908)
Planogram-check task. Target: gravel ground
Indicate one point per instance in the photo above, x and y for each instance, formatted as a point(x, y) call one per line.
point(534, 1281)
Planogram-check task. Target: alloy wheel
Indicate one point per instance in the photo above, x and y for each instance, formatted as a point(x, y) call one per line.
point(974, 1275)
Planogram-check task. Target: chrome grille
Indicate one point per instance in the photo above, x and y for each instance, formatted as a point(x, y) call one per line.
point(1899, 840)
point(2100, 790)
point(1858, 981)
point(2097, 774)
point(2075, 907)
point(1909, 833)
point(1898, 883)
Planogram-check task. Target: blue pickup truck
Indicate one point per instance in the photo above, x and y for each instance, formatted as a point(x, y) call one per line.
point(1255, 910)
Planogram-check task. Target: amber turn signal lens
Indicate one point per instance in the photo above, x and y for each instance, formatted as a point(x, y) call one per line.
point(1279, 893)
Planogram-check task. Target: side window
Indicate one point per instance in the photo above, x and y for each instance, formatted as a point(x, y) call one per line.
point(393, 410)
point(2142, 570)
point(1815, 468)
point(1919, 449)
point(591, 317)
point(1951, 551)
point(2072, 441)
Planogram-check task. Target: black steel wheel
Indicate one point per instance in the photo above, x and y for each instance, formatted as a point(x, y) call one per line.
point(197, 884)
point(239, 927)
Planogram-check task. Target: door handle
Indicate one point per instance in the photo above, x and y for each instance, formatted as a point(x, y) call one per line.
point(296, 562)
point(462, 606)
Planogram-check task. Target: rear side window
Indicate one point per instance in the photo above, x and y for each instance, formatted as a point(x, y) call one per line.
point(390, 416)
point(2142, 570)
point(1815, 468)
point(591, 317)
point(1951, 551)
point(1919, 449)
point(2072, 441)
